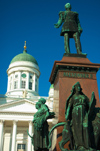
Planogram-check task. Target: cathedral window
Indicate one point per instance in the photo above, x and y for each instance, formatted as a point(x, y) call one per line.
point(30, 85)
point(15, 84)
point(31, 77)
point(10, 78)
point(16, 76)
point(36, 87)
point(10, 86)
point(21, 147)
point(35, 79)
point(23, 85)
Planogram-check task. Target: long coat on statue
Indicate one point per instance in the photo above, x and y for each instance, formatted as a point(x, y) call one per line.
point(71, 22)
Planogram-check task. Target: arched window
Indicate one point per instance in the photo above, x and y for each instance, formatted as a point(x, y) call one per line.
point(23, 84)
point(30, 85)
point(15, 84)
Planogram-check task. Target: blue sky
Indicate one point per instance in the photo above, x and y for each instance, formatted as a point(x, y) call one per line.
point(33, 21)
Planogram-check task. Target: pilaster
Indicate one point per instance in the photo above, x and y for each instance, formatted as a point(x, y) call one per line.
point(14, 136)
point(34, 82)
point(29, 139)
point(19, 80)
point(1, 134)
point(27, 81)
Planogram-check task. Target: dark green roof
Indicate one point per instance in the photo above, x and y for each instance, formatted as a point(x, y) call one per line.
point(24, 57)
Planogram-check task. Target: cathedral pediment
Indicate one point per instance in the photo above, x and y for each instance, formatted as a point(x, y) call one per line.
point(24, 106)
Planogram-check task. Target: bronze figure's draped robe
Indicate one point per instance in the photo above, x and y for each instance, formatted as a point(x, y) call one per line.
point(40, 139)
point(82, 126)
point(41, 129)
point(79, 106)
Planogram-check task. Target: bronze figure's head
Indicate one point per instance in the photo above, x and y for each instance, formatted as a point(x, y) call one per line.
point(68, 6)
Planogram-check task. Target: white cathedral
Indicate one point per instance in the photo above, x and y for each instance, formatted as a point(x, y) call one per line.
point(17, 106)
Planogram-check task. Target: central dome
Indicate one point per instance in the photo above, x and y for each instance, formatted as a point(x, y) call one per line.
point(24, 57)
point(23, 76)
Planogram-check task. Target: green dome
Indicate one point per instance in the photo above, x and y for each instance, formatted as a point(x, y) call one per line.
point(52, 86)
point(24, 57)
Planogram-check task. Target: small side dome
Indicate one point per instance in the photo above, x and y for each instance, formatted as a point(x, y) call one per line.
point(51, 91)
point(52, 86)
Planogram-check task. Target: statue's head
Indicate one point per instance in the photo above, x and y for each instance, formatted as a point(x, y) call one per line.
point(68, 6)
point(76, 87)
point(38, 105)
point(42, 100)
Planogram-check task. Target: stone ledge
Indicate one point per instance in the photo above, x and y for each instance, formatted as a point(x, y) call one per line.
point(75, 55)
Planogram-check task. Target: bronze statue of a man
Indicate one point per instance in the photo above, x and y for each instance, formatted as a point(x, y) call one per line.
point(71, 28)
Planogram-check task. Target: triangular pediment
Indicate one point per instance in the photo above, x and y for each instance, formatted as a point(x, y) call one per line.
point(24, 105)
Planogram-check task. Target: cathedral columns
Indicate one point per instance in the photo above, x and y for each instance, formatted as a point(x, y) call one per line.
point(1, 134)
point(29, 139)
point(33, 82)
point(14, 136)
point(19, 81)
point(27, 81)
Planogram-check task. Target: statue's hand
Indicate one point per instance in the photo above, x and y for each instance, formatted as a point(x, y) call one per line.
point(33, 121)
point(56, 25)
point(80, 31)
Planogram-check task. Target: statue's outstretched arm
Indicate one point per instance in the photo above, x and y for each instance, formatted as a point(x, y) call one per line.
point(60, 21)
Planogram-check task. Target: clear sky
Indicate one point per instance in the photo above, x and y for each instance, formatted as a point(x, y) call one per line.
point(33, 21)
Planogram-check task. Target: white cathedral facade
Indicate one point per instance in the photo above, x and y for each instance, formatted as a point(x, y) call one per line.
point(17, 106)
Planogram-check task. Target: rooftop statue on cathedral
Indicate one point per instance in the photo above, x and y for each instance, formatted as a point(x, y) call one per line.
point(70, 29)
